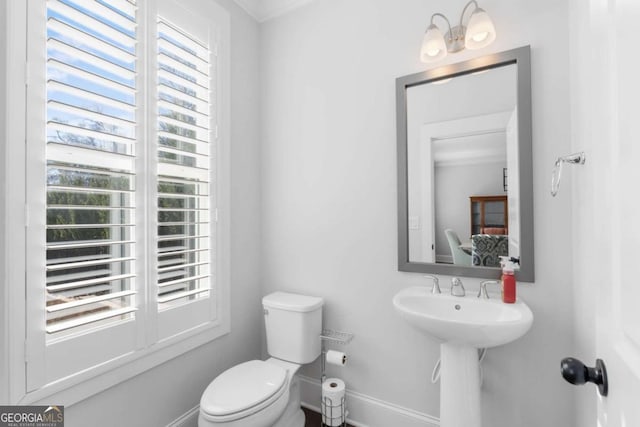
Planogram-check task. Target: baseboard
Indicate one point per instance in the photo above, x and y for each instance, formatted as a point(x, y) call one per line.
point(188, 419)
point(444, 259)
point(367, 411)
point(364, 411)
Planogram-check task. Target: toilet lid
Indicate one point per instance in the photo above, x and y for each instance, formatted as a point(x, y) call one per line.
point(242, 387)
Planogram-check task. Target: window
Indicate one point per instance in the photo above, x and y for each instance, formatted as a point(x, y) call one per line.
point(91, 149)
point(184, 214)
point(126, 185)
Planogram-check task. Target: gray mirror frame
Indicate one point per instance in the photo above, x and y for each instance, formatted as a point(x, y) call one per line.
point(522, 58)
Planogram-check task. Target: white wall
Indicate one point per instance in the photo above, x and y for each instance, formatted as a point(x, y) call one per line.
point(470, 95)
point(329, 195)
point(454, 184)
point(159, 396)
point(3, 159)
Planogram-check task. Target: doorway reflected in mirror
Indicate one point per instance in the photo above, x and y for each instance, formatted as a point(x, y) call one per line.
point(461, 137)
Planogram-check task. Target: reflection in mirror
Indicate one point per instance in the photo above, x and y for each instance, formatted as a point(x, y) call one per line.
point(461, 134)
point(465, 187)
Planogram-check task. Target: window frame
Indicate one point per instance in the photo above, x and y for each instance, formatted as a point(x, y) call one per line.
point(79, 386)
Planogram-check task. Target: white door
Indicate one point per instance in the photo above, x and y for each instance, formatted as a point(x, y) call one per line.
point(513, 184)
point(618, 329)
point(427, 196)
point(606, 107)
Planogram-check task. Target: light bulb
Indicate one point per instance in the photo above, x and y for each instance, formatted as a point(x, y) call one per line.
point(433, 45)
point(480, 30)
point(480, 36)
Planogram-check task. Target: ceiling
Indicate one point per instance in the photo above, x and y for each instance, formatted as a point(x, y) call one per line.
point(263, 10)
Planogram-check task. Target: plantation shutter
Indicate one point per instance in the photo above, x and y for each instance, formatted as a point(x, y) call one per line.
point(185, 173)
point(90, 154)
point(121, 218)
point(83, 239)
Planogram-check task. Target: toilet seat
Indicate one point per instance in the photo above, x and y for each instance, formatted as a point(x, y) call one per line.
point(243, 390)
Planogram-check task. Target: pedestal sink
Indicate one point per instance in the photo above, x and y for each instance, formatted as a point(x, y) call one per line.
point(462, 325)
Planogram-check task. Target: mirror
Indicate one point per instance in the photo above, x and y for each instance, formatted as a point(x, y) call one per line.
point(465, 189)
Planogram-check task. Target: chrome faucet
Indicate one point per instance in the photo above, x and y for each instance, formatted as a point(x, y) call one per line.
point(436, 284)
point(482, 292)
point(457, 288)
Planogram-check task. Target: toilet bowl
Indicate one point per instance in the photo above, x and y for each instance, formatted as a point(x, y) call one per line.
point(267, 393)
point(251, 394)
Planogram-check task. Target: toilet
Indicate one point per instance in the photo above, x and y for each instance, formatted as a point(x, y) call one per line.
point(267, 393)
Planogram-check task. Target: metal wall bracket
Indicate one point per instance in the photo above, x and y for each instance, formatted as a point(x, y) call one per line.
point(556, 175)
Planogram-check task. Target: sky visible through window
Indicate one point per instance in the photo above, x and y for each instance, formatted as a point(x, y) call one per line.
point(109, 61)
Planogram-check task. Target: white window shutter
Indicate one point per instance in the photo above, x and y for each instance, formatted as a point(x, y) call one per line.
point(186, 172)
point(122, 186)
point(91, 118)
point(89, 147)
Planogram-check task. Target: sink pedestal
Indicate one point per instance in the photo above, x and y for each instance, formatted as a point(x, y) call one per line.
point(463, 324)
point(459, 386)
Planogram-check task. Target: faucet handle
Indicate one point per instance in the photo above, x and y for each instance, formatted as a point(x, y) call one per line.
point(436, 284)
point(457, 288)
point(482, 292)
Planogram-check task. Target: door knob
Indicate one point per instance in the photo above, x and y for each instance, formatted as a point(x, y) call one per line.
point(575, 372)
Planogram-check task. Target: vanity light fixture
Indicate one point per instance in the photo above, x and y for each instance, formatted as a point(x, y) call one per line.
point(478, 33)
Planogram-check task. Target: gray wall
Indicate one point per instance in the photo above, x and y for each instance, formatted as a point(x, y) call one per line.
point(329, 195)
point(160, 395)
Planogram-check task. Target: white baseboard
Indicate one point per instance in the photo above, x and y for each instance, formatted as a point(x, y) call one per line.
point(444, 259)
point(364, 411)
point(188, 419)
point(367, 411)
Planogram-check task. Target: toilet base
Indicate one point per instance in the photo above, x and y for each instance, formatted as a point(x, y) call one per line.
point(295, 420)
point(293, 415)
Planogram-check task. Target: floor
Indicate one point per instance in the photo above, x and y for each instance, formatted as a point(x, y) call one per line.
point(313, 419)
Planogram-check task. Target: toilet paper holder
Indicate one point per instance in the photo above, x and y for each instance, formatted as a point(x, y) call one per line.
point(332, 337)
point(336, 337)
point(335, 414)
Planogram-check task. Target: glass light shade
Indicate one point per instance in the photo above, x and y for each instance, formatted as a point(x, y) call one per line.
point(480, 30)
point(433, 46)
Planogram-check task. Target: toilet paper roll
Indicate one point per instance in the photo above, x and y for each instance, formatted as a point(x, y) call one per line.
point(336, 358)
point(334, 422)
point(333, 405)
point(333, 390)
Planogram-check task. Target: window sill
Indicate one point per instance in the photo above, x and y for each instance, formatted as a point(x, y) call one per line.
point(83, 385)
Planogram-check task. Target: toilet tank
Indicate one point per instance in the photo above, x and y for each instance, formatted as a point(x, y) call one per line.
point(293, 325)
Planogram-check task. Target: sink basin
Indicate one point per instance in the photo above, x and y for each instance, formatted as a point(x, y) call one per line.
point(468, 320)
point(462, 324)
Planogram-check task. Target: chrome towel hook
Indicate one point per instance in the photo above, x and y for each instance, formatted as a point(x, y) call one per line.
point(574, 159)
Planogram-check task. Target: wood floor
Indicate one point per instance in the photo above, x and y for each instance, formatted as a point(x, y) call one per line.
point(313, 419)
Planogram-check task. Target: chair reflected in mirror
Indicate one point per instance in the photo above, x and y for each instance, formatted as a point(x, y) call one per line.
point(486, 249)
point(460, 257)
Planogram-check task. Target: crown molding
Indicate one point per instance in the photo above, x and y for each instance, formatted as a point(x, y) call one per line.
point(264, 10)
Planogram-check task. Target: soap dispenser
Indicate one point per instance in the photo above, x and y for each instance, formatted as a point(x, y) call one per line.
point(508, 280)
